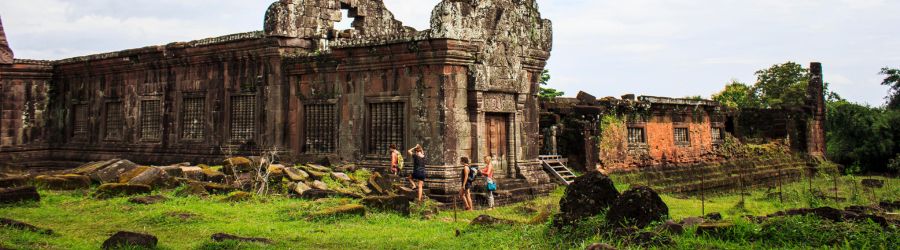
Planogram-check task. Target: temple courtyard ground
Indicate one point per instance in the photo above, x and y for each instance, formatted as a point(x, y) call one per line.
point(79, 221)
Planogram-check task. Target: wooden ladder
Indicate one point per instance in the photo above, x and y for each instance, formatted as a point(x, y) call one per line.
point(556, 165)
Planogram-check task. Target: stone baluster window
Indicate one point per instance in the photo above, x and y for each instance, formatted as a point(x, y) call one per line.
point(243, 117)
point(718, 136)
point(192, 118)
point(682, 137)
point(151, 120)
point(385, 127)
point(636, 136)
point(319, 128)
point(80, 121)
point(115, 121)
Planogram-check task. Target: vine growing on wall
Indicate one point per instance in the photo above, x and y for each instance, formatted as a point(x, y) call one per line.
point(612, 140)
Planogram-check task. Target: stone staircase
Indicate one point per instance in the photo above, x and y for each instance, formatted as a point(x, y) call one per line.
point(556, 166)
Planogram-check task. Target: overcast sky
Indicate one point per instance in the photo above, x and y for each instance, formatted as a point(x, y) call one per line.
point(604, 47)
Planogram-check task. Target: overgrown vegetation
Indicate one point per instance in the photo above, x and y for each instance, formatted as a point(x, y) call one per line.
point(546, 93)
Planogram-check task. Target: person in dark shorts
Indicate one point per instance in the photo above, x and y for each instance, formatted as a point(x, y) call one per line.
point(418, 174)
point(469, 172)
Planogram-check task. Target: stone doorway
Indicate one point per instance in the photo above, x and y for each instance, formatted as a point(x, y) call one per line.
point(497, 142)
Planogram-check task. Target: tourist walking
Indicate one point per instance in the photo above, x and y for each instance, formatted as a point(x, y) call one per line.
point(469, 172)
point(417, 178)
point(488, 173)
point(396, 160)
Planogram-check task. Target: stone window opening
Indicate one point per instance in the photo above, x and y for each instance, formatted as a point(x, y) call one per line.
point(243, 115)
point(80, 121)
point(115, 121)
point(151, 120)
point(682, 137)
point(637, 137)
point(718, 135)
point(192, 118)
point(320, 128)
point(385, 127)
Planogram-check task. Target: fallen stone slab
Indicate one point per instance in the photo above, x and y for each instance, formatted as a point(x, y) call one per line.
point(192, 189)
point(148, 200)
point(339, 211)
point(298, 187)
point(235, 165)
point(63, 182)
point(890, 205)
point(670, 227)
point(111, 190)
point(319, 185)
point(295, 174)
point(396, 204)
point(19, 194)
point(713, 228)
point(173, 171)
point(212, 175)
point(600, 246)
point(130, 240)
point(14, 224)
point(90, 168)
point(341, 177)
point(314, 194)
point(14, 181)
point(111, 173)
point(216, 188)
point(487, 220)
point(219, 237)
point(237, 196)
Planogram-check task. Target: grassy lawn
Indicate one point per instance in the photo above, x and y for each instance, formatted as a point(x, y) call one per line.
point(81, 222)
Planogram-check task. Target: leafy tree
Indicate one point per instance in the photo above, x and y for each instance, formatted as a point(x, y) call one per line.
point(737, 95)
point(862, 135)
point(892, 80)
point(782, 85)
point(548, 93)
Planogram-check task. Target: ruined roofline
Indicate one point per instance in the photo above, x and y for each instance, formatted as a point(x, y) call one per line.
point(175, 45)
point(677, 101)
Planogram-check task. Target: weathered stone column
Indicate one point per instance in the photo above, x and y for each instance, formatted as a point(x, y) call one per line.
point(815, 136)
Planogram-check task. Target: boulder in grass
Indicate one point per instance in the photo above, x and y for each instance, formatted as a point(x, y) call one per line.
point(347, 210)
point(130, 240)
point(637, 207)
point(18, 194)
point(589, 195)
point(219, 237)
point(873, 183)
point(396, 204)
point(148, 200)
point(18, 225)
point(14, 181)
point(111, 173)
point(600, 246)
point(111, 190)
point(63, 182)
point(295, 174)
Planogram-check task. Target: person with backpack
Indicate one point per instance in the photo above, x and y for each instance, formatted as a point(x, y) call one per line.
point(418, 175)
point(396, 160)
point(488, 173)
point(469, 173)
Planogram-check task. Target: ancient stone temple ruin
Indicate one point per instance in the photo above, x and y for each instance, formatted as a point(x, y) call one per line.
point(466, 87)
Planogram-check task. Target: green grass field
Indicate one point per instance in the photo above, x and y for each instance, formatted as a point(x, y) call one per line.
point(81, 222)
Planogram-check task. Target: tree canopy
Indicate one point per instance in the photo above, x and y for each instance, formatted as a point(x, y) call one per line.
point(548, 93)
point(892, 80)
point(782, 85)
point(737, 95)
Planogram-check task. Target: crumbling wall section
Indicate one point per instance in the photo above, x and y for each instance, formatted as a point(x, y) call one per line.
point(6, 54)
point(314, 19)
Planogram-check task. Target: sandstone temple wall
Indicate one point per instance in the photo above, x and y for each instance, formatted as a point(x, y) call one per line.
point(467, 87)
